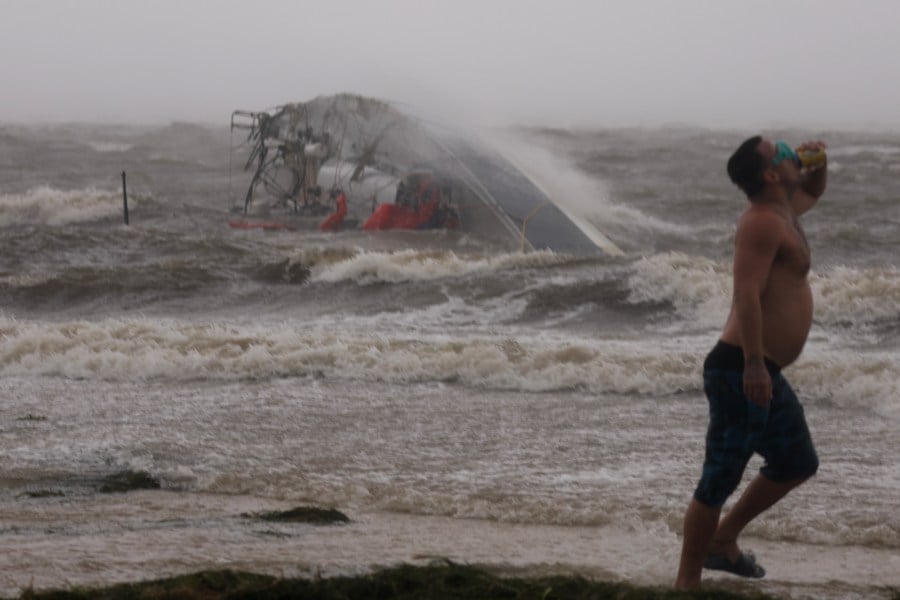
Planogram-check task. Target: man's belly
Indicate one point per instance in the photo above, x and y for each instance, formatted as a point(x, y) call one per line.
point(787, 320)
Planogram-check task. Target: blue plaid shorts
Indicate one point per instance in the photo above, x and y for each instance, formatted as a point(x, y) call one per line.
point(739, 427)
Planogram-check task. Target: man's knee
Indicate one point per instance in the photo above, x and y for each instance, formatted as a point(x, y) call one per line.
point(812, 467)
point(798, 472)
point(716, 485)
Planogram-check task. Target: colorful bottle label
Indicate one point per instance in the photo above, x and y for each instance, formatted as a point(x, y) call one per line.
point(811, 158)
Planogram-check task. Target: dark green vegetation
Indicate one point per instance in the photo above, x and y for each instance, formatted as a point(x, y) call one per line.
point(45, 494)
point(435, 582)
point(303, 514)
point(125, 481)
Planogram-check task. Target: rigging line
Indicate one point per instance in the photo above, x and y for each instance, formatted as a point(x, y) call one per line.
point(230, 162)
point(526, 219)
point(340, 154)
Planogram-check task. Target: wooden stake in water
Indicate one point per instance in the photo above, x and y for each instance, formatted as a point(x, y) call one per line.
point(125, 197)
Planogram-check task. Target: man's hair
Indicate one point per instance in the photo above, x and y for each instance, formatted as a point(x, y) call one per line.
point(746, 166)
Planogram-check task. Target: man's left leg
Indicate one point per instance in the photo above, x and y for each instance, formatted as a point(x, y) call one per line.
point(759, 496)
point(787, 448)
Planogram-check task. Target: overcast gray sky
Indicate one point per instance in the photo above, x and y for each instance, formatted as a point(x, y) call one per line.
point(822, 63)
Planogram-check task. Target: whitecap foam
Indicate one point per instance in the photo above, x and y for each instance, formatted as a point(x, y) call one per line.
point(849, 378)
point(698, 288)
point(454, 314)
point(845, 294)
point(856, 150)
point(416, 265)
point(51, 206)
point(144, 349)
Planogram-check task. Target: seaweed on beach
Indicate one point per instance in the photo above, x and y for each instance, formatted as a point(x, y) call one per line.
point(445, 581)
point(126, 481)
point(44, 494)
point(303, 514)
point(31, 417)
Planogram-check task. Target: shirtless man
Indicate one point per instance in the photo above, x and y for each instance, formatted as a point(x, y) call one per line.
point(752, 408)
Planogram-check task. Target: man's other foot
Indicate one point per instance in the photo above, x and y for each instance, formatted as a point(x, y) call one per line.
point(744, 566)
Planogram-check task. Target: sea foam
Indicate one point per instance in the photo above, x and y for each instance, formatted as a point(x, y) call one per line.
point(133, 350)
point(50, 206)
point(414, 265)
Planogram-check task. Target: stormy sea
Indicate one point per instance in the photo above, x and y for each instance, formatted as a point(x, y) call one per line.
point(529, 412)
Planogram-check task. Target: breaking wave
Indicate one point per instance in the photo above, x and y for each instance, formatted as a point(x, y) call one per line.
point(139, 349)
point(700, 290)
point(50, 206)
point(122, 350)
point(414, 265)
point(846, 294)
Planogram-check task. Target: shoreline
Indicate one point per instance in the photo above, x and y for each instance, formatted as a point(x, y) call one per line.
point(373, 544)
point(439, 580)
point(436, 581)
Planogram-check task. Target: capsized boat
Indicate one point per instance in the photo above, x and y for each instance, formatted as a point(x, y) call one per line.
point(351, 162)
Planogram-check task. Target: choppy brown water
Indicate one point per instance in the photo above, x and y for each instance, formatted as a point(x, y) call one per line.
point(536, 411)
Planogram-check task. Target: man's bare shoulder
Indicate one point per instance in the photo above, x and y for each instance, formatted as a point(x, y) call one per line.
point(760, 224)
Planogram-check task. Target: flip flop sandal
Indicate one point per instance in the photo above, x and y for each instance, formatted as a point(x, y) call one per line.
point(744, 566)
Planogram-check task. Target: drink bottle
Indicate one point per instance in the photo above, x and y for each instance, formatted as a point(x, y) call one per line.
point(811, 158)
